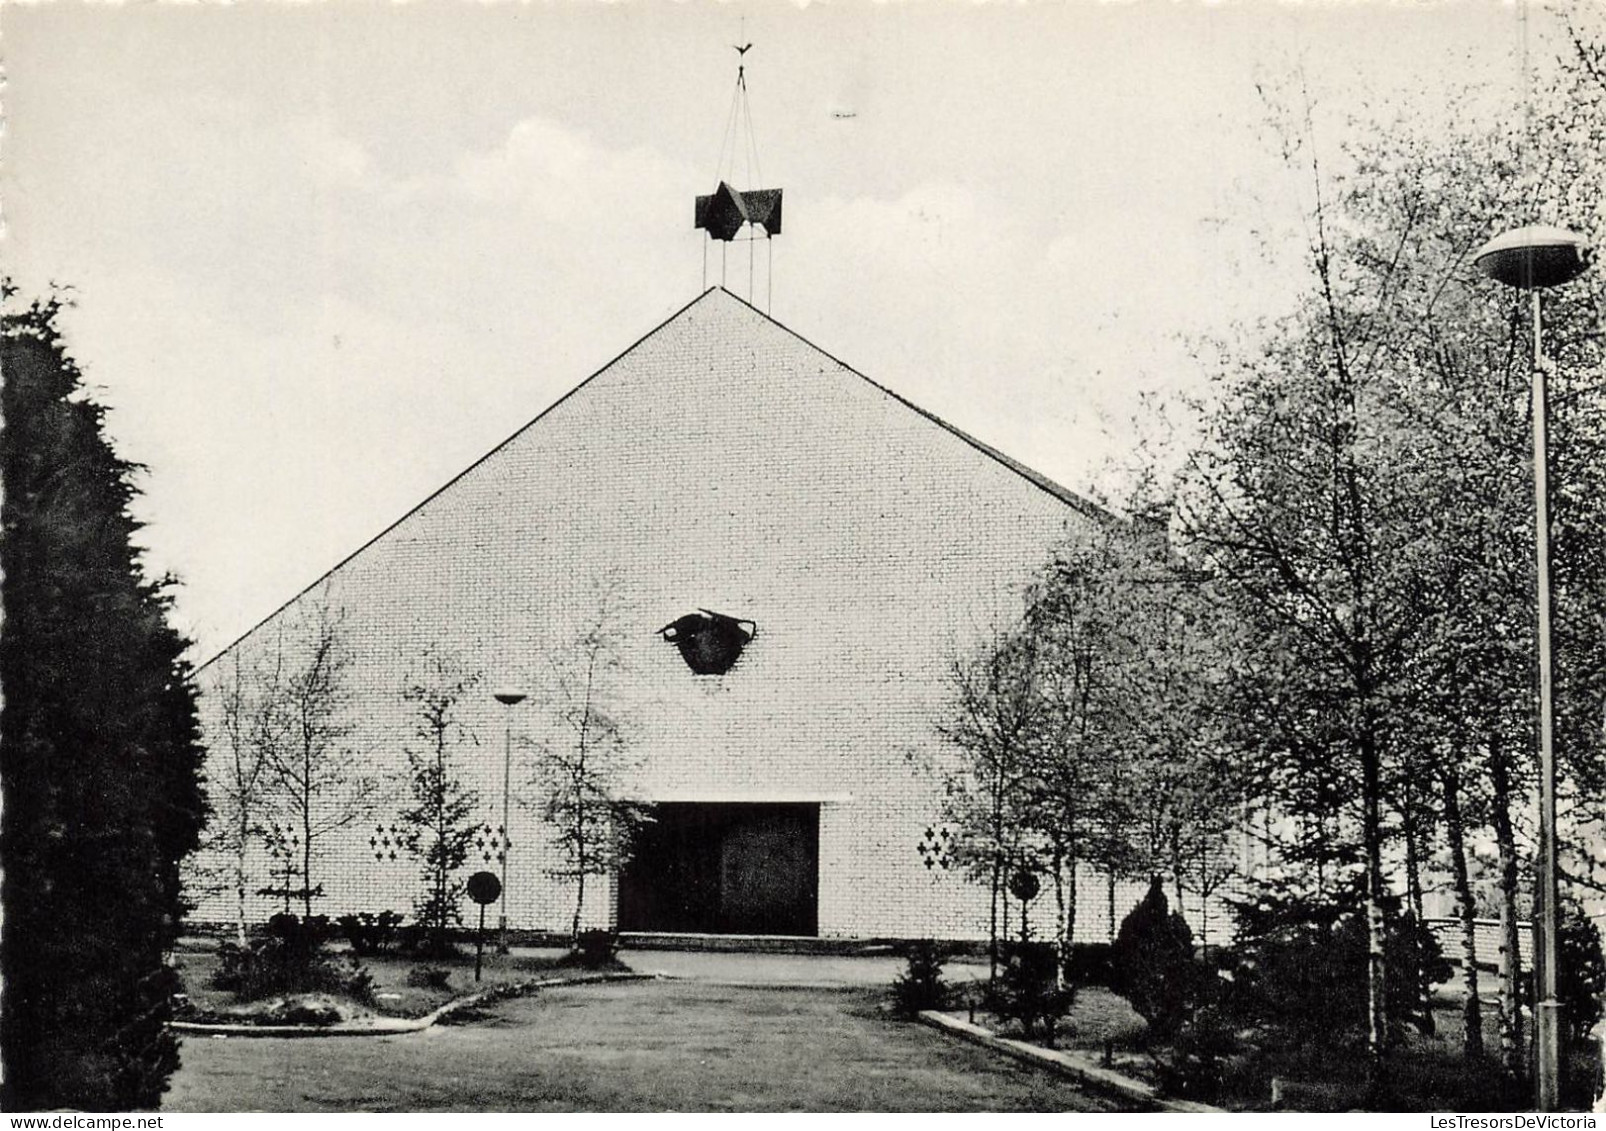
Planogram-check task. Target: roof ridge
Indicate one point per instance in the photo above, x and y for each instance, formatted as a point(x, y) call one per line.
point(1036, 478)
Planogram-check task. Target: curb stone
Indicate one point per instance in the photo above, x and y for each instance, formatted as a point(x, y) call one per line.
point(1066, 1064)
point(391, 1026)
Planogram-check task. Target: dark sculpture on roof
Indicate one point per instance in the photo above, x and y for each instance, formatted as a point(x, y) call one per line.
point(709, 642)
point(726, 211)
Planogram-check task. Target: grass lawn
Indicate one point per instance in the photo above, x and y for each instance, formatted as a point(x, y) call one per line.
point(397, 993)
point(661, 1046)
point(1099, 1017)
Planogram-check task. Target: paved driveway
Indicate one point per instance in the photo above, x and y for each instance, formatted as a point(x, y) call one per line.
point(735, 968)
point(653, 1046)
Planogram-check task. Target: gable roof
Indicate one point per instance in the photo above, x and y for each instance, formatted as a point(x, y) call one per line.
point(1070, 498)
point(1063, 494)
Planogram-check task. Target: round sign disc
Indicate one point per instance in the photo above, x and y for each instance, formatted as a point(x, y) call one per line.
point(1023, 885)
point(484, 887)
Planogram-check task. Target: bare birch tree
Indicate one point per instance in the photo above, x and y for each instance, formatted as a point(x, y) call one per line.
point(585, 760)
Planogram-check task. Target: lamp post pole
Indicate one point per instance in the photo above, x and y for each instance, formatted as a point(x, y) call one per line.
point(508, 697)
point(1547, 1009)
point(1534, 258)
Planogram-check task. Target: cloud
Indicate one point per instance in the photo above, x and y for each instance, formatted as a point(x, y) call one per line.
point(538, 156)
point(326, 157)
point(562, 178)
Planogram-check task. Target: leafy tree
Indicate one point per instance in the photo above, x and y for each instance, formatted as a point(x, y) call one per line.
point(1080, 752)
point(585, 760)
point(1287, 510)
point(1455, 826)
point(994, 720)
point(1363, 497)
point(1183, 795)
point(99, 752)
point(241, 779)
point(1089, 730)
point(321, 781)
point(1141, 753)
point(440, 829)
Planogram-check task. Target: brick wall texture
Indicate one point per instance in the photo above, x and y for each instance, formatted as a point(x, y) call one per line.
point(721, 463)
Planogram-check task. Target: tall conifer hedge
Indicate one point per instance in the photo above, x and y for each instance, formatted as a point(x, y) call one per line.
point(100, 757)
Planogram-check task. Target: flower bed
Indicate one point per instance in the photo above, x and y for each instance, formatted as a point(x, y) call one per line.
point(402, 987)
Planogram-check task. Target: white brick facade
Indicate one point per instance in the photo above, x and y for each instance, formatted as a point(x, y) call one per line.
point(721, 463)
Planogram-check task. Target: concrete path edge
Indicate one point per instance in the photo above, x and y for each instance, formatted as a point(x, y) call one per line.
point(1066, 1064)
point(391, 1026)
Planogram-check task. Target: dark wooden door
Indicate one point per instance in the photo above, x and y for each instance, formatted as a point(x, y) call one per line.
point(740, 869)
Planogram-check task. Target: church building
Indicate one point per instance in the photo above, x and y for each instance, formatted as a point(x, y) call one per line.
point(786, 559)
point(729, 573)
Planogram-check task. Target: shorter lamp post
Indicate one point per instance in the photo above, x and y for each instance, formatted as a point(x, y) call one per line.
point(1534, 258)
point(508, 697)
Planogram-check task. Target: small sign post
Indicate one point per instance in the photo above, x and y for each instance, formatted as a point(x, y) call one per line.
point(483, 888)
point(1024, 886)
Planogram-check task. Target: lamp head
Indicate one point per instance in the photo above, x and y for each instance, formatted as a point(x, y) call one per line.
point(1534, 257)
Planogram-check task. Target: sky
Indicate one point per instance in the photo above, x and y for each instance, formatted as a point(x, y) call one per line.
point(326, 255)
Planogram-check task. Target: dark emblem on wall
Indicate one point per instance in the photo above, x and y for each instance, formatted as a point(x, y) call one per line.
point(937, 848)
point(709, 642)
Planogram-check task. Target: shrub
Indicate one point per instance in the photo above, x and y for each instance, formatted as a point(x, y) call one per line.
point(300, 934)
point(301, 1013)
point(359, 981)
point(269, 967)
point(427, 943)
point(969, 996)
point(1290, 964)
point(1298, 958)
point(429, 978)
point(1583, 1077)
point(290, 958)
point(920, 986)
point(1155, 968)
point(1091, 964)
point(1027, 988)
point(1414, 963)
point(596, 949)
point(1194, 1065)
point(370, 934)
point(1580, 973)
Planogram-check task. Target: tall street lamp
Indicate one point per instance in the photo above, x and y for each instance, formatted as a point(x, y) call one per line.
point(508, 697)
point(1534, 258)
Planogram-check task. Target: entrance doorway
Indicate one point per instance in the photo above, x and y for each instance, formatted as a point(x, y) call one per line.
point(727, 869)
